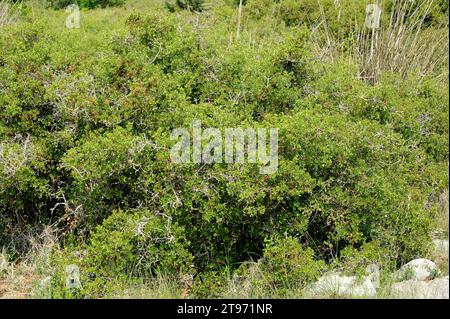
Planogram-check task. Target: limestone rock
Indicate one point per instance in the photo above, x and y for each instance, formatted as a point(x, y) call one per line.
point(418, 269)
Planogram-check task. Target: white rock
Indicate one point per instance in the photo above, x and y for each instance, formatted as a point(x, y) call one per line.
point(419, 269)
point(334, 283)
point(412, 289)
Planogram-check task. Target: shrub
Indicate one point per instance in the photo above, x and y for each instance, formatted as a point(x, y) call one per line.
point(129, 245)
point(23, 187)
point(90, 4)
point(340, 17)
point(138, 243)
point(414, 107)
point(85, 137)
point(286, 264)
point(355, 260)
point(194, 5)
point(104, 169)
point(209, 284)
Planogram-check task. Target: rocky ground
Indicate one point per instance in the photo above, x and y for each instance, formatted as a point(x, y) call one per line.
point(418, 279)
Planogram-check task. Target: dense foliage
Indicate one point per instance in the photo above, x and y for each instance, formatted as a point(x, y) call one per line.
point(85, 122)
point(194, 5)
point(90, 4)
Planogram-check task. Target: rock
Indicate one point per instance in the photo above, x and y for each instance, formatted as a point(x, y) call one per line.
point(418, 269)
point(439, 288)
point(335, 283)
point(413, 289)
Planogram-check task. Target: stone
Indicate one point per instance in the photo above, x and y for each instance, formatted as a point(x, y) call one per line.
point(412, 289)
point(418, 269)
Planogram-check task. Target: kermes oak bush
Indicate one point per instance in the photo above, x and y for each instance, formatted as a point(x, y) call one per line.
point(85, 122)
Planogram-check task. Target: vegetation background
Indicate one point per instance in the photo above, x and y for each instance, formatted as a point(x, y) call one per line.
point(85, 121)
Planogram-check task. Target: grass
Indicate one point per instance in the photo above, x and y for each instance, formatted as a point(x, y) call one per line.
point(9, 12)
point(442, 220)
point(30, 278)
point(440, 255)
point(400, 45)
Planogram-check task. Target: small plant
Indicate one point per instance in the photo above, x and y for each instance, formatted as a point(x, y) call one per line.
point(133, 244)
point(288, 265)
point(356, 261)
point(209, 284)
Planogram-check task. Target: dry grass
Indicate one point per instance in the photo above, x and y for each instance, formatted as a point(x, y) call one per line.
point(30, 276)
point(401, 45)
point(27, 277)
point(443, 222)
point(440, 255)
point(160, 287)
point(9, 12)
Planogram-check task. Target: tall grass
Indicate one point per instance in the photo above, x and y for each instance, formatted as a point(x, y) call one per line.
point(9, 12)
point(402, 44)
point(28, 276)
